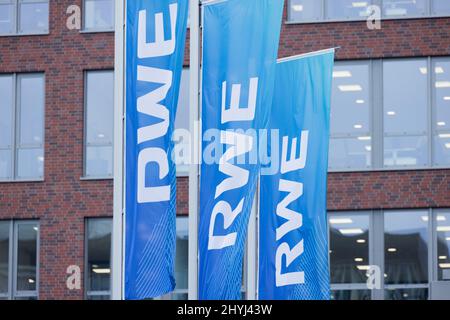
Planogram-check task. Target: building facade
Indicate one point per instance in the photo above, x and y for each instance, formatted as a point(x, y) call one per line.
point(389, 179)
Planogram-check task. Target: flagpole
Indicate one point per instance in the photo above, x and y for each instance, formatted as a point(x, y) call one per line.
point(118, 203)
point(194, 98)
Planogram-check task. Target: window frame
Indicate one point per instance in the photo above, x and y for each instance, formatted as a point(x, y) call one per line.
point(323, 19)
point(15, 129)
point(96, 30)
point(377, 250)
point(377, 114)
point(85, 176)
point(16, 19)
point(95, 293)
point(13, 293)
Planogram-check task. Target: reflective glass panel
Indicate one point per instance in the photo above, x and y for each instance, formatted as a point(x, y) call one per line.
point(351, 295)
point(305, 10)
point(443, 245)
point(30, 163)
point(350, 153)
point(99, 14)
point(402, 8)
point(405, 97)
point(349, 247)
point(406, 247)
point(441, 89)
point(27, 236)
point(31, 109)
point(99, 254)
point(4, 256)
point(405, 151)
point(6, 17)
point(99, 161)
point(441, 7)
point(347, 9)
point(406, 294)
point(6, 111)
point(33, 17)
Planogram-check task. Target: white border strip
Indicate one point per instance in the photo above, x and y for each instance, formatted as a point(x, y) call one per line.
point(306, 55)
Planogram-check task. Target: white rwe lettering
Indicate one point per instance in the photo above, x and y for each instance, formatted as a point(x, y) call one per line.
point(152, 194)
point(238, 177)
point(160, 47)
point(286, 279)
point(294, 219)
point(149, 103)
point(293, 163)
point(224, 208)
point(234, 112)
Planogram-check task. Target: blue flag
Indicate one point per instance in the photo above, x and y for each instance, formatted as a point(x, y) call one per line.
point(240, 45)
point(156, 32)
point(293, 262)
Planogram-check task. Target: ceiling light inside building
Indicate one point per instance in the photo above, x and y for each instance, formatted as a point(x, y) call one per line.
point(442, 84)
point(391, 113)
point(359, 4)
point(368, 148)
point(363, 268)
point(443, 229)
point(342, 74)
point(444, 136)
point(423, 70)
point(361, 241)
point(351, 231)
point(442, 257)
point(447, 98)
point(364, 138)
point(444, 265)
point(441, 123)
point(392, 250)
point(447, 145)
point(297, 7)
point(102, 270)
point(360, 101)
point(341, 220)
point(358, 126)
point(350, 88)
point(359, 259)
point(439, 70)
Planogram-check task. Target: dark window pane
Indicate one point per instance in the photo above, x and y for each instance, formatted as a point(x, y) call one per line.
point(406, 247)
point(407, 294)
point(351, 295)
point(349, 247)
point(181, 261)
point(99, 254)
point(443, 245)
point(27, 256)
point(4, 256)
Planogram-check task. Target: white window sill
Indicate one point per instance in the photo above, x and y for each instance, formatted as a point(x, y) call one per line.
point(96, 178)
point(37, 180)
point(97, 31)
point(44, 33)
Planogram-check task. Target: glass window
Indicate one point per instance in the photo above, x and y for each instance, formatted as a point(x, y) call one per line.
point(98, 256)
point(6, 120)
point(4, 257)
point(27, 248)
point(402, 8)
point(33, 16)
point(99, 123)
point(443, 245)
point(349, 247)
point(30, 154)
point(305, 10)
point(407, 294)
point(99, 14)
point(181, 136)
point(406, 247)
point(347, 9)
point(441, 7)
point(441, 122)
point(405, 102)
point(350, 145)
point(6, 16)
point(22, 126)
point(23, 17)
point(351, 295)
point(181, 260)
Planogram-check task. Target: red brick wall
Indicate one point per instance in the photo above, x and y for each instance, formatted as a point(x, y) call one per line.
point(63, 201)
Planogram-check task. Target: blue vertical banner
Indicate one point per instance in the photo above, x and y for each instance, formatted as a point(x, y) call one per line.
point(155, 41)
point(240, 45)
point(293, 259)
